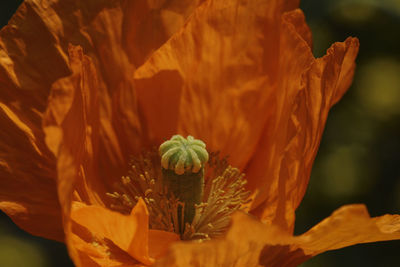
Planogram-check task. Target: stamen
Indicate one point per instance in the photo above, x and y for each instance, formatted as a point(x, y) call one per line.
point(227, 195)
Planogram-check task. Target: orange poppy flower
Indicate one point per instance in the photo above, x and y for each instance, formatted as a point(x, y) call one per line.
point(87, 84)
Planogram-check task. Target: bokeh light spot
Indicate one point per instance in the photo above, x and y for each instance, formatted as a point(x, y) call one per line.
point(354, 12)
point(16, 252)
point(379, 87)
point(342, 174)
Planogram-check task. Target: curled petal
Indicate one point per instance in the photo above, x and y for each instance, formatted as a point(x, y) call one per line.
point(129, 233)
point(252, 243)
point(348, 226)
point(89, 252)
point(280, 168)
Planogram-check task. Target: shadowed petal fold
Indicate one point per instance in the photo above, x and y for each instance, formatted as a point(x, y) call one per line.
point(28, 192)
point(218, 75)
point(28, 67)
point(71, 125)
point(150, 23)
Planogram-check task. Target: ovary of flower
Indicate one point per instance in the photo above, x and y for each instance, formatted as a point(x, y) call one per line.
point(180, 154)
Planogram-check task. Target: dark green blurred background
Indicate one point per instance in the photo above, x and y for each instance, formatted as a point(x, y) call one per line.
point(358, 161)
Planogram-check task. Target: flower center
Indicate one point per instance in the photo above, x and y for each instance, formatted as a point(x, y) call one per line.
point(187, 190)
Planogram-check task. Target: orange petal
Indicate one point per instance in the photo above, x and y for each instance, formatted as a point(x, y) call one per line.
point(150, 23)
point(296, 19)
point(160, 241)
point(28, 192)
point(264, 169)
point(73, 112)
point(79, 240)
point(91, 253)
point(71, 125)
point(348, 226)
point(129, 233)
point(215, 77)
point(252, 243)
point(254, 96)
point(109, 32)
point(281, 166)
point(33, 55)
point(245, 241)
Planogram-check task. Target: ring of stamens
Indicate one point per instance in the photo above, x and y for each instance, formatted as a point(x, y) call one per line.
point(224, 193)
